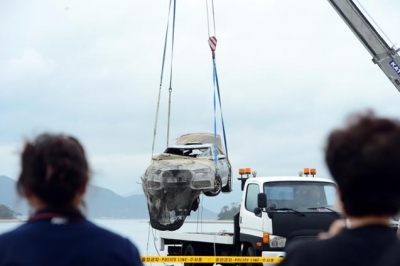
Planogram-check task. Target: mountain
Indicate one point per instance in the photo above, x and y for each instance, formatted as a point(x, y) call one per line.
point(213, 204)
point(9, 196)
point(7, 213)
point(100, 203)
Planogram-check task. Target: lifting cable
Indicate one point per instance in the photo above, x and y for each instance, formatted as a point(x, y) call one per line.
point(376, 24)
point(162, 74)
point(159, 96)
point(212, 41)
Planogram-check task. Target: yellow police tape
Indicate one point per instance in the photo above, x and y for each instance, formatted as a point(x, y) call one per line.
point(209, 259)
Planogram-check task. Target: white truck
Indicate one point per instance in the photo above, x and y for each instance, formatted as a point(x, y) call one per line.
point(275, 212)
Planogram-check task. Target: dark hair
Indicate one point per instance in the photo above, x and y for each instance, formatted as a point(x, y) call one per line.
point(54, 169)
point(364, 160)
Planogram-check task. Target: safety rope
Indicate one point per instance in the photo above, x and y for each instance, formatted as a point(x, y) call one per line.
point(161, 77)
point(159, 95)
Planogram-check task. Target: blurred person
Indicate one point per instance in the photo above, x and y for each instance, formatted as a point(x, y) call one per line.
point(364, 160)
point(54, 177)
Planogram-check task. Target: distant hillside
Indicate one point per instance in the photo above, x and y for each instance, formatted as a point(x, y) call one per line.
point(100, 202)
point(213, 204)
point(7, 213)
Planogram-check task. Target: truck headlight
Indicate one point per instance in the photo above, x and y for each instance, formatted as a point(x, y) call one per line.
point(277, 241)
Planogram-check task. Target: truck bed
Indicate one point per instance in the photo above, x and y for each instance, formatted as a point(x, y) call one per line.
point(221, 237)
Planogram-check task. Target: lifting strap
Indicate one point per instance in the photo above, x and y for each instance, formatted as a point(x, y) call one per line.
point(217, 93)
point(212, 41)
point(162, 74)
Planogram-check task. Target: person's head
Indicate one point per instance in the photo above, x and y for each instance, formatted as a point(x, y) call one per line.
point(364, 160)
point(54, 169)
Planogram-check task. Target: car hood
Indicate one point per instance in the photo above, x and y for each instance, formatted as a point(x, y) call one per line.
point(166, 161)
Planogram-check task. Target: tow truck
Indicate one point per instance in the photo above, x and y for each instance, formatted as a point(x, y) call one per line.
point(275, 212)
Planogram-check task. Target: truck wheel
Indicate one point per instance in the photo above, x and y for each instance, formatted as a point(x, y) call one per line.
point(217, 188)
point(250, 252)
point(194, 250)
point(191, 250)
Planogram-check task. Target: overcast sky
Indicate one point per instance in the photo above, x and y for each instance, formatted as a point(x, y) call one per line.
point(289, 72)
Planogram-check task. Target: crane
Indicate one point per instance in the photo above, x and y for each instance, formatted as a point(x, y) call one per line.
point(386, 57)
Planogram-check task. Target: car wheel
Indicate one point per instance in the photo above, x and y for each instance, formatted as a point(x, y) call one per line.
point(195, 205)
point(217, 188)
point(228, 187)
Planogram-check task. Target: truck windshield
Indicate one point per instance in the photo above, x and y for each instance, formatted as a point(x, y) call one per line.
point(304, 196)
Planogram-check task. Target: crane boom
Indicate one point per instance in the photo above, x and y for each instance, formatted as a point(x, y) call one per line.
point(383, 55)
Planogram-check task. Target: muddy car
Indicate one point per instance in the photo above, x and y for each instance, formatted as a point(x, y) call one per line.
point(176, 178)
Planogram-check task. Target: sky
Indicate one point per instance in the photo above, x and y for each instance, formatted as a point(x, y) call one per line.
point(289, 72)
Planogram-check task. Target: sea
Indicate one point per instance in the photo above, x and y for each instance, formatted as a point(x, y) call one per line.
point(141, 233)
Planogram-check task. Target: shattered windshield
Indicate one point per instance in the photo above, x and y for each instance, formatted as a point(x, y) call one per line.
point(304, 196)
point(196, 152)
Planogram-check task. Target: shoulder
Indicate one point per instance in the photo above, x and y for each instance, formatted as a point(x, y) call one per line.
point(83, 242)
point(311, 252)
point(349, 247)
point(391, 256)
point(299, 254)
point(16, 232)
point(113, 243)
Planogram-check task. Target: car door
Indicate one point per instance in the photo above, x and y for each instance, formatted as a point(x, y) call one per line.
point(251, 225)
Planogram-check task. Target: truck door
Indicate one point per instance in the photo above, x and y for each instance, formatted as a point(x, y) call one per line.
point(251, 226)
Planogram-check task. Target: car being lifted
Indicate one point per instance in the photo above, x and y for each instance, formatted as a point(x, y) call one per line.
point(176, 178)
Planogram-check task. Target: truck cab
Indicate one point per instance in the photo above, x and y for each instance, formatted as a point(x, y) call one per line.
point(277, 212)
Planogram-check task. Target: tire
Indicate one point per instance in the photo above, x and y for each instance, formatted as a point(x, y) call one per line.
point(191, 250)
point(195, 205)
point(194, 250)
point(250, 252)
point(228, 187)
point(217, 188)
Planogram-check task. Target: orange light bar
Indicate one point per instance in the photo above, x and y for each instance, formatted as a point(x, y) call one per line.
point(306, 171)
point(247, 170)
point(313, 171)
point(265, 238)
point(241, 171)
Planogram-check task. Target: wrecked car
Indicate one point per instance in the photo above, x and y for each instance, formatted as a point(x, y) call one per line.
point(176, 178)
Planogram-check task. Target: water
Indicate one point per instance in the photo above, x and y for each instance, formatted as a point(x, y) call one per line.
point(141, 233)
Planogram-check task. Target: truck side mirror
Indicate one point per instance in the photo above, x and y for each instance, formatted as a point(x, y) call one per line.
point(242, 183)
point(257, 212)
point(262, 200)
